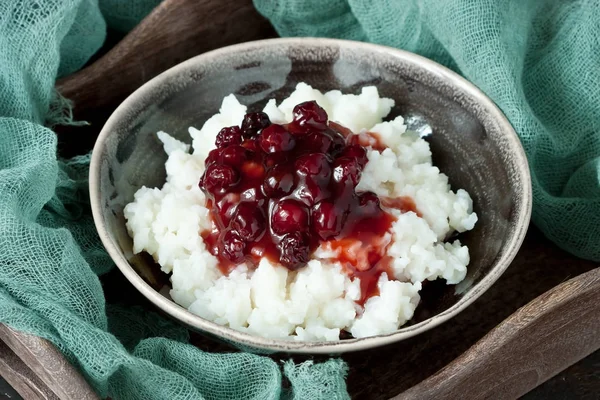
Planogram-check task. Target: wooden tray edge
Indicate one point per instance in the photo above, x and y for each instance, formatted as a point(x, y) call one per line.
point(539, 340)
point(57, 377)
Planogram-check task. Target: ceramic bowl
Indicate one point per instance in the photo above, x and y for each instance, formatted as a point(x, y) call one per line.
point(471, 141)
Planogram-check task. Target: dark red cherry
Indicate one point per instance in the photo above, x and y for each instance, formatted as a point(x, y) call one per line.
point(274, 159)
point(232, 246)
point(346, 169)
point(226, 208)
point(278, 182)
point(251, 144)
point(216, 178)
point(315, 165)
point(249, 221)
point(214, 156)
point(338, 142)
point(311, 191)
point(253, 169)
point(317, 142)
point(326, 221)
point(229, 136)
point(369, 203)
point(253, 123)
point(234, 155)
point(310, 115)
point(253, 194)
point(275, 139)
point(289, 216)
point(293, 250)
point(357, 152)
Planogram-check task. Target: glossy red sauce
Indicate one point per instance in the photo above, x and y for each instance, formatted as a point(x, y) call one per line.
point(365, 139)
point(280, 191)
point(402, 203)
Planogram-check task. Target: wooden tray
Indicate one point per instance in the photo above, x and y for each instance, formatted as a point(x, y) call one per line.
point(541, 316)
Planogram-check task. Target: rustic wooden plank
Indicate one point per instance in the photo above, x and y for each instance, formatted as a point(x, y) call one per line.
point(22, 379)
point(49, 366)
point(554, 331)
point(580, 381)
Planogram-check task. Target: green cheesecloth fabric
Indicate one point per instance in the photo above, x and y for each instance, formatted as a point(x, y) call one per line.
point(539, 60)
point(50, 255)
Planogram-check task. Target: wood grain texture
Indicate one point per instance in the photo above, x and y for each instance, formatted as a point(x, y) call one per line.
point(579, 381)
point(55, 376)
point(22, 379)
point(553, 331)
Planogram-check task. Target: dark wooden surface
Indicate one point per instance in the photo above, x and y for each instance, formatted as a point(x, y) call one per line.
point(15, 374)
point(179, 29)
point(37, 370)
point(578, 382)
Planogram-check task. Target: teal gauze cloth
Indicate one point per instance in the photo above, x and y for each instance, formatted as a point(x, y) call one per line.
point(539, 60)
point(50, 255)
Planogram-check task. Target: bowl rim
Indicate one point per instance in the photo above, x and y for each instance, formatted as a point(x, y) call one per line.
point(317, 347)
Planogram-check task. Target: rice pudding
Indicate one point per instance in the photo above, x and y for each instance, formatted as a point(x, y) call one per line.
point(309, 220)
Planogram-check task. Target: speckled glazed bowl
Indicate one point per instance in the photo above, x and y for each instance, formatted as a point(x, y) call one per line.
point(471, 141)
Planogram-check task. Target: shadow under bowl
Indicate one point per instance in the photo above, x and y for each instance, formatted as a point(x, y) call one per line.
point(471, 141)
